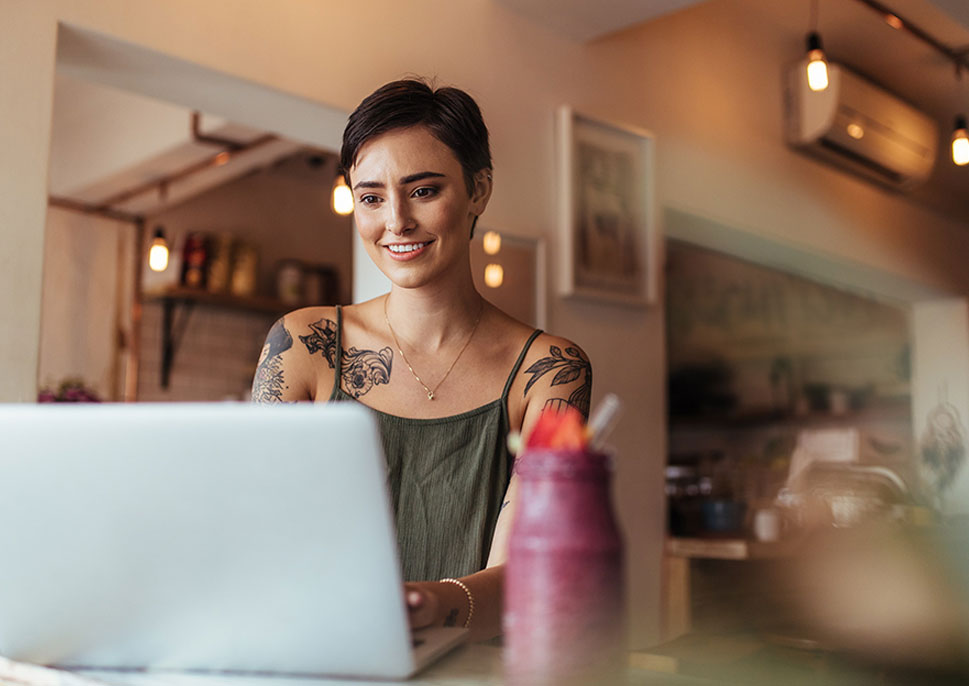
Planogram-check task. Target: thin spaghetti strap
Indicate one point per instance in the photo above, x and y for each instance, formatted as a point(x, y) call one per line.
point(338, 353)
point(518, 363)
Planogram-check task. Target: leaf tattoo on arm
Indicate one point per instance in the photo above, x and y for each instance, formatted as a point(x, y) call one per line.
point(361, 369)
point(568, 367)
point(268, 383)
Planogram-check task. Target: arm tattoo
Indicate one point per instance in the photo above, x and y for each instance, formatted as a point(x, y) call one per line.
point(268, 384)
point(322, 339)
point(570, 365)
point(361, 369)
point(452, 617)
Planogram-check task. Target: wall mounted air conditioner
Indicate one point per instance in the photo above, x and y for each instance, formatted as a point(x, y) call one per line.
point(861, 127)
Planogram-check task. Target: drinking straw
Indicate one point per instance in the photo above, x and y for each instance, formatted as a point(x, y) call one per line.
point(603, 420)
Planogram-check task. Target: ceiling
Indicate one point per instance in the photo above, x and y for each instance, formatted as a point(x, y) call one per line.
point(583, 20)
point(853, 34)
point(88, 111)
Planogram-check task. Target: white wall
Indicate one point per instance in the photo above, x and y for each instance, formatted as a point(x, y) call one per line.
point(706, 81)
point(88, 272)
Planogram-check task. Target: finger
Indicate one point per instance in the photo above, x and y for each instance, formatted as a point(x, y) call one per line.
point(421, 608)
point(415, 600)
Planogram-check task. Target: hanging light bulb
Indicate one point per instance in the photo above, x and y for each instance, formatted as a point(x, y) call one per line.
point(494, 275)
point(158, 252)
point(817, 68)
point(342, 201)
point(491, 242)
point(960, 142)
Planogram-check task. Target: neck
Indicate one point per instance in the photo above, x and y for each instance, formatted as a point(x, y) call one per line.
point(430, 318)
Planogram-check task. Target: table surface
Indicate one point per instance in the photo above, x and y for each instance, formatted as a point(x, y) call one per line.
point(469, 665)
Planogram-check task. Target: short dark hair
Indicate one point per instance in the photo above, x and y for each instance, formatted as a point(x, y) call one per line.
point(451, 115)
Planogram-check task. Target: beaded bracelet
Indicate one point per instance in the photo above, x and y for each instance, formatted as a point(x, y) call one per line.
point(467, 591)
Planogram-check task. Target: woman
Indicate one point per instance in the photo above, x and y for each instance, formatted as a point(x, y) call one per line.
point(447, 374)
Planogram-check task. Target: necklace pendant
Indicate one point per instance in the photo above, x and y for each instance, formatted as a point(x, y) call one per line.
point(430, 395)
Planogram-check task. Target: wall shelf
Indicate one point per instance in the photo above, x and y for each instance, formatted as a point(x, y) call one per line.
point(180, 299)
point(191, 296)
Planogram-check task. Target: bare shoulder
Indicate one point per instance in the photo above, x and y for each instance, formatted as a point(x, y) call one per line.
point(302, 319)
point(556, 372)
point(286, 372)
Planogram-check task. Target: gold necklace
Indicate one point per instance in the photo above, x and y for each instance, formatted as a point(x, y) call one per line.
point(431, 391)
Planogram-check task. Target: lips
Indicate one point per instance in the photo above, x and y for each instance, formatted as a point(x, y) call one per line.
point(406, 251)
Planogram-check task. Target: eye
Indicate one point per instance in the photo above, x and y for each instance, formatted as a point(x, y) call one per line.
point(369, 199)
point(425, 192)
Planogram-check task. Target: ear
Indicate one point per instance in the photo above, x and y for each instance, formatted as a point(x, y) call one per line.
point(482, 191)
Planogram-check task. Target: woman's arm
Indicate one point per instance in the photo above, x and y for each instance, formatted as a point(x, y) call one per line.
point(283, 374)
point(437, 603)
point(558, 373)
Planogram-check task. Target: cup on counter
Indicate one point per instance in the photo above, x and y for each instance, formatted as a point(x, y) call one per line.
point(563, 614)
point(767, 525)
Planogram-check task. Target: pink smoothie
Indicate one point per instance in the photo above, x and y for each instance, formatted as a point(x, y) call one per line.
point(563, 611)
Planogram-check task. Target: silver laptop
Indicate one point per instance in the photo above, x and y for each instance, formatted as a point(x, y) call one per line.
point(202, 537)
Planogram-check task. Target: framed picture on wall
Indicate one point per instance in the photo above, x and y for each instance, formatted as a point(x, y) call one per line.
point(606, 211)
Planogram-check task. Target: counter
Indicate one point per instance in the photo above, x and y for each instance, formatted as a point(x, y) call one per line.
point(677, 558)
point(469, 665)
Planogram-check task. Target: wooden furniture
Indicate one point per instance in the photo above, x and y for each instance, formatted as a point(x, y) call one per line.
point(678, 555)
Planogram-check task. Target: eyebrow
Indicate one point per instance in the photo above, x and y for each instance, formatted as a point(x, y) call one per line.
point(419, 176)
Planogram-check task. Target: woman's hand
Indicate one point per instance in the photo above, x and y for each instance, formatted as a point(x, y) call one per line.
point(423, 604)
point(446, 603)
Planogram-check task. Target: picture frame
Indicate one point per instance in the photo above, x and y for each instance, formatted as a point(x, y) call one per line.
point(607, 229)
point(521, 290)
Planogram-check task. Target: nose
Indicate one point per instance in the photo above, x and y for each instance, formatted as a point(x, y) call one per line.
point(399, 219)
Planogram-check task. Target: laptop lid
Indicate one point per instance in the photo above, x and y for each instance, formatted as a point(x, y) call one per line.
point(199, 537)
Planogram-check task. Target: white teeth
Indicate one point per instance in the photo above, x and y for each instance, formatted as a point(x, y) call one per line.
point(408, 247)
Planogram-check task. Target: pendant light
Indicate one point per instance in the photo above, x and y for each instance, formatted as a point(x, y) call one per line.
point(342, 198)
point(960, 142)
point(494, 275)
point(158, 252)
point(817, 67)
point(817, 64)
point(491, 242)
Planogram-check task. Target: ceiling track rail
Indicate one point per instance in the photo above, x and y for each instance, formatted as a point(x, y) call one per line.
point(209, 139)
point(958, 56)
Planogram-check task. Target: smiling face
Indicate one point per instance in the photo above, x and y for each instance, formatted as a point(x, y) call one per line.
point(412, 207)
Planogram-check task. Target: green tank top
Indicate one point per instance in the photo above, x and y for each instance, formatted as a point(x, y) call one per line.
point(447, 478)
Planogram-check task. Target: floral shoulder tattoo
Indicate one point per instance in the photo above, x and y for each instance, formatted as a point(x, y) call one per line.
point(361, 370)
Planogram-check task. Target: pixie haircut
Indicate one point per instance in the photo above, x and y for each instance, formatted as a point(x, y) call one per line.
point(451, 115)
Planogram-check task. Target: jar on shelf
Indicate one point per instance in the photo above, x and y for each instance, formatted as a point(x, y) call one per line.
point(219, 263)
point(245, 263)
point(194, 258)
point(289, 282)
